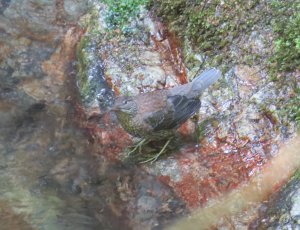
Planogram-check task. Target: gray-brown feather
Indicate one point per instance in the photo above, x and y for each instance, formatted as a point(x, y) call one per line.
point(158, 114)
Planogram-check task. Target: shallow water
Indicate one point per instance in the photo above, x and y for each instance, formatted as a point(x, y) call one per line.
point(49, 176)
point(47, 171)
point(51, 173)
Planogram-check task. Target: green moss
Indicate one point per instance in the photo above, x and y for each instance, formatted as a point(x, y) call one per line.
point(204, 128)
point(292, 107)
point(211, 25)
point(296, 175)
point(120, 12)
point(86, 54)
point(286, 22)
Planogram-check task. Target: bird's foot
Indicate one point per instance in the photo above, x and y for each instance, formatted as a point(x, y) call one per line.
point(138, 146)
point(152, 159)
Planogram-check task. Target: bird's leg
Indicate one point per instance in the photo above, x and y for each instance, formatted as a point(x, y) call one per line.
point(139, 145)
point(152, 159)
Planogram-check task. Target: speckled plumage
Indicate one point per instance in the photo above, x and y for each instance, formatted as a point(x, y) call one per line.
point(157, 115)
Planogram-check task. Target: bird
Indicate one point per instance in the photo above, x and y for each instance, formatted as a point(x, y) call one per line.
point(157, 115)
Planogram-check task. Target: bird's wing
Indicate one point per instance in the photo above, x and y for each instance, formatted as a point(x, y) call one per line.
point(160, 119)
point(184, 108)
point(179, 109)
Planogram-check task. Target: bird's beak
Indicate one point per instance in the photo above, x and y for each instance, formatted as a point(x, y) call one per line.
point(114, 109)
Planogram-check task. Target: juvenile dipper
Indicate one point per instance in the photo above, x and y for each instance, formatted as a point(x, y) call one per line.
point(157, 115)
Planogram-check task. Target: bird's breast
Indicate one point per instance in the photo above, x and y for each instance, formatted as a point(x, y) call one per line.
point(138, 128)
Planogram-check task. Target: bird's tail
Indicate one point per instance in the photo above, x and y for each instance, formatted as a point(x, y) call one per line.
point(205, 80)
point(197, 86)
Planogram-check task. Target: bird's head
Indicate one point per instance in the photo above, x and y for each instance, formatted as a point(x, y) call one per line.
point(125, 104)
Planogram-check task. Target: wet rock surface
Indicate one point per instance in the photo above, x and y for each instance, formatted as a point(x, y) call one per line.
point(237, 131)
point(64, 157)
point(131, 64)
